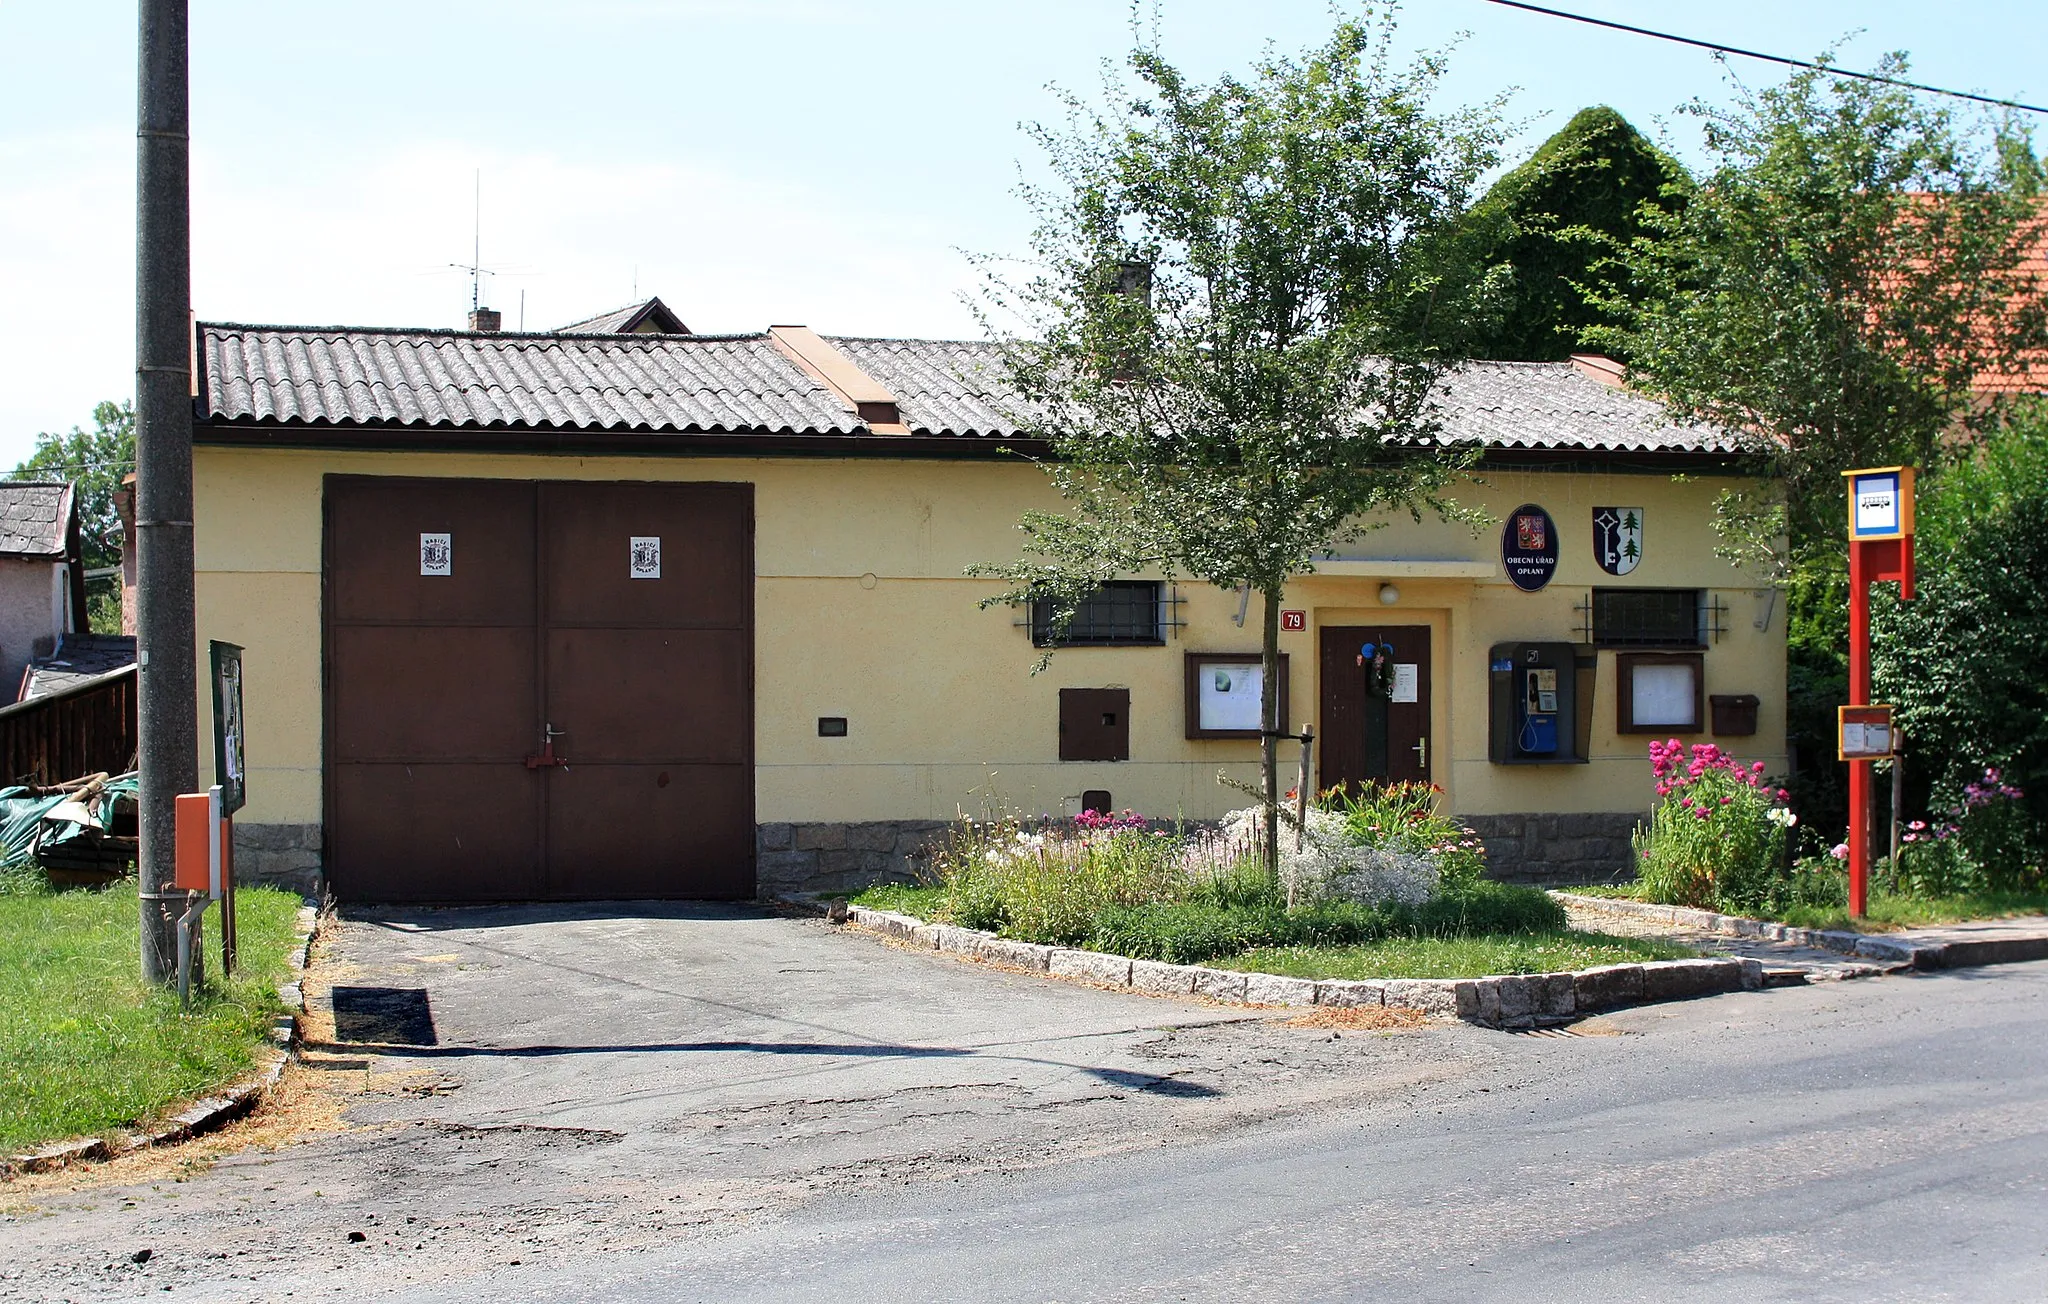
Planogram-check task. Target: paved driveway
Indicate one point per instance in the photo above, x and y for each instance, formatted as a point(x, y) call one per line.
point(683, 1020)
point(542, 1085)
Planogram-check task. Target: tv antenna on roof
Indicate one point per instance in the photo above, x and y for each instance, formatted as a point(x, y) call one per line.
point(477, 271)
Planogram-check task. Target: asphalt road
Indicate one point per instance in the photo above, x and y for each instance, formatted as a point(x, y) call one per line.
point(1865, 1141)
point(619, 1104)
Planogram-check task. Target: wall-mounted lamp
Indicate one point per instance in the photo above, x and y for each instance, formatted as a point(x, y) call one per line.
point(1389, 595)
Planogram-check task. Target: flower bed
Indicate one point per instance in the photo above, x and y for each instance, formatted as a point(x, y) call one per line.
point(1361, 873)
point(1721, 839)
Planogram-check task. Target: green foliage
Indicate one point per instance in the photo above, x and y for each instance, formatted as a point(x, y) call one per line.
point(1242, 298)
point(1816, 597)
point(1456, 957)
point(1717, 837)
point(1404, 817)
point(1890, 908)
point(1963, 661)
point(86, 1047)
point(1848, 268)
point(1049, 885)
point(95, 460)
point(1121, 887)
point(1559, 222)
point(1208, 924)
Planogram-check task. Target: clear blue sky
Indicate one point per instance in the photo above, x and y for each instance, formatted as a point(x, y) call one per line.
point(751, 161)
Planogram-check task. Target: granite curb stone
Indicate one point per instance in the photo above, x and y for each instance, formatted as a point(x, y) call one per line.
point(1888, 951)
point(1272, 989)
point(1498, 1001)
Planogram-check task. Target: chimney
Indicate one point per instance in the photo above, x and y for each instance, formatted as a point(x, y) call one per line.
point(489, 320)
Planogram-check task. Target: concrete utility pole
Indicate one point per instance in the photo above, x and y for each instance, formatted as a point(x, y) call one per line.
point(168, 708)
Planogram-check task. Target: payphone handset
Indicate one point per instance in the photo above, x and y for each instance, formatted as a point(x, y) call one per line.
point(1538, 709)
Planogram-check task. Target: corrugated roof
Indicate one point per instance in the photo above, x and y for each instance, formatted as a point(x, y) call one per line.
point(1551, 405)
point(952, 387)
point(78, 658)
point(457, 379)
point(35, 518)
point(629, 318)
point(743, 385)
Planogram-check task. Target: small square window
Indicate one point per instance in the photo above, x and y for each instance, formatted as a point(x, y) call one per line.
point(1119, 613)
point(1659, 692)
point(1648, 618)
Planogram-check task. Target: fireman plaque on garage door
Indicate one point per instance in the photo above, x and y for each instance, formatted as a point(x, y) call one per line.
point(539, 721)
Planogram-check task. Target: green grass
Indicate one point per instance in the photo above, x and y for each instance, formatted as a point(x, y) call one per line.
point(902, 899)
point(1620, 891)
point(86, 1047)
point(1894, 910)
point(1455, 957)
point(1888, 910)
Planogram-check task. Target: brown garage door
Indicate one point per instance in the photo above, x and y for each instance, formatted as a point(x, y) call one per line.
point(466, 619)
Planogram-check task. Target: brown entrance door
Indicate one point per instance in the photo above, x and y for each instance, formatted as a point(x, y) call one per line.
point(1367, 736)
point(619, 617)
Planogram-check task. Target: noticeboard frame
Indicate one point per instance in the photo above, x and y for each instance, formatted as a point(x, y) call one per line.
point(1861, 717)
point(230, 728)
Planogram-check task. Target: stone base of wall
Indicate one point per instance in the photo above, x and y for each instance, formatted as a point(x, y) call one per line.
point(280, 855)
point(840, 856)
point(1548, 850)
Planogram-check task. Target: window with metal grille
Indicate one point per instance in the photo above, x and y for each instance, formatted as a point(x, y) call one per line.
point(1120, 613)
point(1648, 618)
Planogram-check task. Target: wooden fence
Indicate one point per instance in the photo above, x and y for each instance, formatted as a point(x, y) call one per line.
point(77, 730)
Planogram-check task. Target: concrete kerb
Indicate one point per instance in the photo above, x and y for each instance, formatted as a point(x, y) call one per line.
point(204, 1115)
point(1888, 952)
point(1504, 1001)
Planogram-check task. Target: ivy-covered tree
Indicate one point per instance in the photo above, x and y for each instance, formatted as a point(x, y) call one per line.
point(1558, 223)
point(1234, 330)
point(95, 460)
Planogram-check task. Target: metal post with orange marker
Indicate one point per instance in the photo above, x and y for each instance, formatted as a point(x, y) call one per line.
point(1880, 549)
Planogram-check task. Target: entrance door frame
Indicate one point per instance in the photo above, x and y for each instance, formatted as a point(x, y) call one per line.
point(1438, 622)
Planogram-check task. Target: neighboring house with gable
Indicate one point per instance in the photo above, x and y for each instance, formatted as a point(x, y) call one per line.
point(625, 612)
point(42, 574)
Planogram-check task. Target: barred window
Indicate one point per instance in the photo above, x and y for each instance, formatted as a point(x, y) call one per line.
point(1648, 618)
point(1120, 613)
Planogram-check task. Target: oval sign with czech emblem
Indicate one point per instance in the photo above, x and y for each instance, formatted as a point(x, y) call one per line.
point(1528, 547)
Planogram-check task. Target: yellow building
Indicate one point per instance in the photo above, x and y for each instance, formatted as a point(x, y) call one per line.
point(644, 614)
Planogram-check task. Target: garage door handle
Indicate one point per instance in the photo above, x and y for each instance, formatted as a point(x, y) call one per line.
point(545, 758)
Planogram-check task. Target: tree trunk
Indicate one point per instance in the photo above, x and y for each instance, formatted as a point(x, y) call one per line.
point(1269, 712)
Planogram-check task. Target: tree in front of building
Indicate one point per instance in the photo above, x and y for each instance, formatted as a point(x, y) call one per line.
point(1559, 224)
point(1847, 271)
point(1243, 298)
point(95, 461)
point(1850, 267)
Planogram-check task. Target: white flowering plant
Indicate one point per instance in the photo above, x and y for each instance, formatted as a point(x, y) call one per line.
point(1386, 844)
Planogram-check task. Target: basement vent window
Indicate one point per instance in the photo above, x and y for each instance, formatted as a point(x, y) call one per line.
point(1120, 613)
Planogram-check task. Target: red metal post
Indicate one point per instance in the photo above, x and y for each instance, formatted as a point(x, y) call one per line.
point(1859, 695)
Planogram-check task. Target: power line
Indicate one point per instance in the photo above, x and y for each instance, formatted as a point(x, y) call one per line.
point(1718, 48)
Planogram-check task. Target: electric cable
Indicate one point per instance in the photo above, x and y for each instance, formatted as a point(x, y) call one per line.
point(1719, 48)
